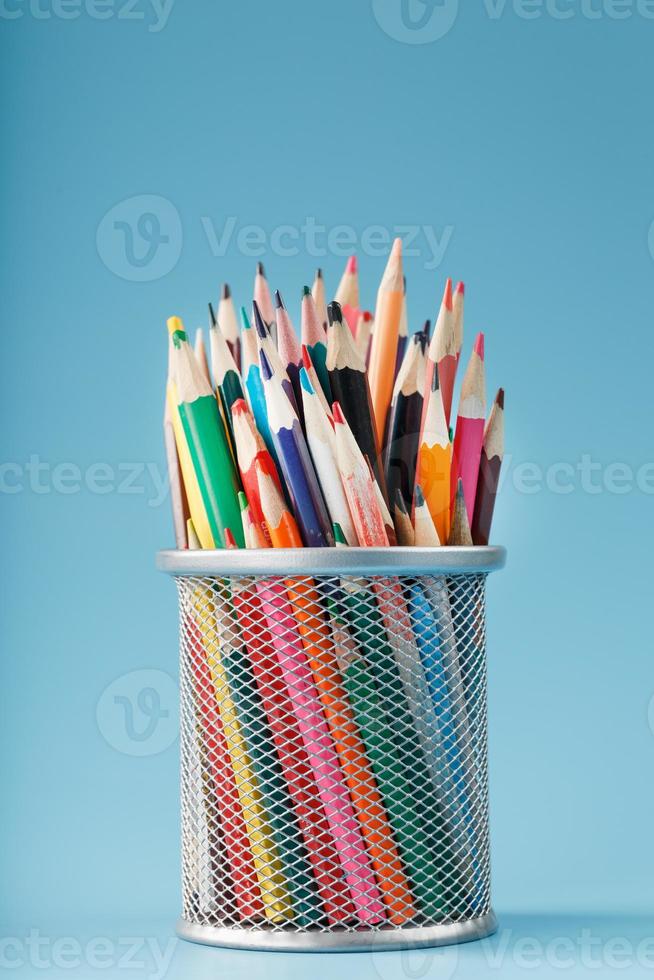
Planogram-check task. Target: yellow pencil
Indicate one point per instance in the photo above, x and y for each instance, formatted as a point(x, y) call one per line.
point(275, 896)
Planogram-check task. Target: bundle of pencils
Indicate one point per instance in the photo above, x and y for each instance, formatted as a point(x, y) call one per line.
point(340, 436)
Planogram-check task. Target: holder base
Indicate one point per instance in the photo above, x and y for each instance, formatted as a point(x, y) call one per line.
point(365, 941)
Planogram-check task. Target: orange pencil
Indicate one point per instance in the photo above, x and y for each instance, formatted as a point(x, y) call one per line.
point(383, 350)
point(435, 460)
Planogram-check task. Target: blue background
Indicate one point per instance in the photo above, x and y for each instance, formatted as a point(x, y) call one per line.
point(531, 140)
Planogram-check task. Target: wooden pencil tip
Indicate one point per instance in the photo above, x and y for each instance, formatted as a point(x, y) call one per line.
point(461, 288)
point(318, 273)
point(260, 270)
point(479, 345)
point(212, 316)
point(396, 251)
point(337, 413)
point(279, 302)
point(499, 398)
point(226, 291)
point(334, 312)
point(306, 291)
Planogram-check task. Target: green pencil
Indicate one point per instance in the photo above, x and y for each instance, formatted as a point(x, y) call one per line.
point(207, 440)
point(393, 749)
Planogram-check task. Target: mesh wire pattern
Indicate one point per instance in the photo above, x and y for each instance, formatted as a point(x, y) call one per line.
point(333, 752)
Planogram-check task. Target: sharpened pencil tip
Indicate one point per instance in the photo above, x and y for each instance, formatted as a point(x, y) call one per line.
point(305, 381)
point(226, 291)
point(212, 316)
point(245, 320)
point(396, 251)
point(279, 302)
point(242, 501)
point(435, 380)
point(337, 413)
point(447, 295)
point(260, 270)
point(306, 291)
point(258, 320)
point(351, 266)
point(479, 345)
point(461, 288)
point(499, 398)
point(418, 496)
point(240, 407)
point(399, 502)
point(334, 312)
point(318, 273)
point(339, 537)
point(306, 357)
point(266, 369)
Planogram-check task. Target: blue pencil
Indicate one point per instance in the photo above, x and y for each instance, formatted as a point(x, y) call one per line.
point(455, 799)
point(295, 462)
point(267, 345)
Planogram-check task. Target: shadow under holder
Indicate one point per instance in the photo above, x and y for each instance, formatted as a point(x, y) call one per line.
point(333, 746)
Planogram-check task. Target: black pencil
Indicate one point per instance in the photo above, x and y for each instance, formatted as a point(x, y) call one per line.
point(349, 384)
point(401, 453)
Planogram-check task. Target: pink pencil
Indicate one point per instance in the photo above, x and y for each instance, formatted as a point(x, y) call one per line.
point(332, 790)
point(469, 435)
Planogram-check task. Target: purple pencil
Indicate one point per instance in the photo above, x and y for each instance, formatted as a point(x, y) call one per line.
point(295, 461)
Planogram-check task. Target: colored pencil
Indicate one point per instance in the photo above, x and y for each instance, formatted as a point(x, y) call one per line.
point(314, 338)
point(225, 373)
point(229, 323)
point(383, 350)
point(347, 376)
point(290, 353)
point(347, 293)
point(443, 353)
point(318, 294)
point(460, 530)
point(363, 335)
point(317, 643)
point(266, 344)
point(458, 300)
point(490, 465)
point(302, 787)
point(404, 420)
point(426, 534)
point(295, 461)
point(322, 446)
point(469, 432)
point(250, 447)
point(368, 520)
point(201, 354)
point(251, 373)
point(402, 519)
point(383, 507)
point(377, 697)
point(263, 299)
point(178, 498)
point(312, 374)
point(403, 332)
point(435, 460)
point(206, 439)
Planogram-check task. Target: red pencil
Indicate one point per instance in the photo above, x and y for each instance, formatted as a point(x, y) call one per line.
point(251, 448)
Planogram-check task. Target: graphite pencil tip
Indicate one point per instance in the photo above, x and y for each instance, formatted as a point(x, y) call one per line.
point(226, 291)
point(499, 398)
point(318, 273)
point(212, 316)
point(260, 270)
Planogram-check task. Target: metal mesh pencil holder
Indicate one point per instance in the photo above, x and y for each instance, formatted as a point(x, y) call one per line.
point(333, 746)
